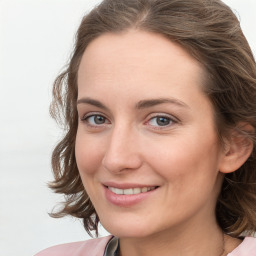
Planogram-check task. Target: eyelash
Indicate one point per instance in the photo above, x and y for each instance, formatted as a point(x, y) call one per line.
point(170, 119)
point(86, 118)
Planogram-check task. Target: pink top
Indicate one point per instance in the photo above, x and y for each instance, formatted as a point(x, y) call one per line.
point(92, 247)
point(246, 248)
point(96, 247)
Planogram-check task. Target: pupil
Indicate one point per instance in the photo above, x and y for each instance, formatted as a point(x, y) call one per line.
point(99, 120)
point(162, 121)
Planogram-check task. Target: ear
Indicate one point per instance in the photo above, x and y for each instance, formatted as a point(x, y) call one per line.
point(238, 148)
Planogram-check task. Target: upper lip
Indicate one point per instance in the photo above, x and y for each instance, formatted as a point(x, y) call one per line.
point(126, 185)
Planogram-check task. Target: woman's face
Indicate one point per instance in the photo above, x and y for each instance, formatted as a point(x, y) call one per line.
point(146, 146)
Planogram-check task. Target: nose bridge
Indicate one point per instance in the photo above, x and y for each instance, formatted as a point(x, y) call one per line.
point(122, 152)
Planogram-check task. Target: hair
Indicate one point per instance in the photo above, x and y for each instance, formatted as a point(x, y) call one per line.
point(211, 33)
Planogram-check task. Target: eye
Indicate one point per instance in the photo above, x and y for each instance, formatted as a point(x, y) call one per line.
point(161, 121)
point(95, 120)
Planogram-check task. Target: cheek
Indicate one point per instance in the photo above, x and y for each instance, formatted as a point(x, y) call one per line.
point(88, 155)
point(189, 171)
point(188, 158)
point(88, 159)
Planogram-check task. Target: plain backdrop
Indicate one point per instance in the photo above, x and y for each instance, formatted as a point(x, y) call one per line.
point(36, 39)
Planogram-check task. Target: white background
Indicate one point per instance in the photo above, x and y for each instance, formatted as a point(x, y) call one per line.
point(36, 39)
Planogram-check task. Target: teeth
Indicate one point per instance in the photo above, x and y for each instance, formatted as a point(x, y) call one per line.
point(130, 191)
point(136, 190)
point(143, 190)
point(118, 191)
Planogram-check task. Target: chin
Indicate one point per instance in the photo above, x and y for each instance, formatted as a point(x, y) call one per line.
point(126, 229)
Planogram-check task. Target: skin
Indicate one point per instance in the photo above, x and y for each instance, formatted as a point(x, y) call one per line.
point(121, 140)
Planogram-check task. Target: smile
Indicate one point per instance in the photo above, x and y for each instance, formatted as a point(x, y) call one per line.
point(130, 191)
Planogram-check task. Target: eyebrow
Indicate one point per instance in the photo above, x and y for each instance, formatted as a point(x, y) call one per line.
point(153, 102)
point(140, 105)
point(92, 102)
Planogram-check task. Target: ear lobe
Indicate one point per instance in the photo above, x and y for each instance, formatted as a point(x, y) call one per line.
point(238, 149)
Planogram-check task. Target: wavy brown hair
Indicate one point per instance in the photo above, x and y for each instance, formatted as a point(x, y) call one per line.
point(211, 33)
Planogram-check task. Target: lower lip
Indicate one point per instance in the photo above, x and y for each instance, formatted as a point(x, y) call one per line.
point(127, 200)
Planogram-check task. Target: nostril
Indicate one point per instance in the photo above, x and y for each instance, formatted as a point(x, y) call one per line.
point(124, 161)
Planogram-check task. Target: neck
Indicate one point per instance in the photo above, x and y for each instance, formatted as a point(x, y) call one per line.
point(204, 239)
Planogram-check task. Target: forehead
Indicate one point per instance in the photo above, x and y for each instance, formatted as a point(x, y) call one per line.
point(137, 60)
point(135, 46)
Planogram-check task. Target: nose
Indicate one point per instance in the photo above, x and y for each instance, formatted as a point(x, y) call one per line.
point(122, 151)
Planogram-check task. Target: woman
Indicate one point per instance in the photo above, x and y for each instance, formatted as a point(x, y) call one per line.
point(159, 105)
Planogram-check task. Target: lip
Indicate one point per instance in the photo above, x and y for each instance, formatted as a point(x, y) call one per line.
point(127, 185)
point(127, 200)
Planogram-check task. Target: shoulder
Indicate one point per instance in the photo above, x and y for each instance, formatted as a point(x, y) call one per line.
point(92, 247)
point(246, 248)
